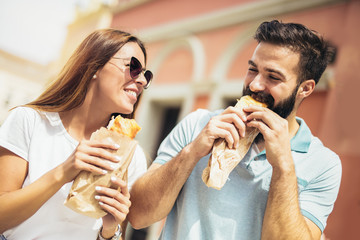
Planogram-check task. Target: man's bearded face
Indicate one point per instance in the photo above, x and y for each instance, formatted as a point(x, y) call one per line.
point(283, 108)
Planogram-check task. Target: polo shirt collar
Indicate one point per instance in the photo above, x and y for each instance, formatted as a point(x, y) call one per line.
point(301, 141)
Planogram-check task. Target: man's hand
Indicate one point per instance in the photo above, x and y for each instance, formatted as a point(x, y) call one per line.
point(275, 131)
point(229, 125)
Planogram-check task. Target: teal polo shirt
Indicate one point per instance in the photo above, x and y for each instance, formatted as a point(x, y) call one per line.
point(237, 210)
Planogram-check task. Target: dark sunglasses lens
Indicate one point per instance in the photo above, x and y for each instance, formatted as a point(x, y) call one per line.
point(148, 76)
point(135, 67)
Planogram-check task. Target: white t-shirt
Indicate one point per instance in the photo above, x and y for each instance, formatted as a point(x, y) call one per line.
point(41, 139)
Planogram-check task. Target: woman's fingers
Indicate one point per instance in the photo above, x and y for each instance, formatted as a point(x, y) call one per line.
point(99, 149)
point(106, 144)
point(116, 203)
point(93, 164)
point(121, 195)
point(96, 157)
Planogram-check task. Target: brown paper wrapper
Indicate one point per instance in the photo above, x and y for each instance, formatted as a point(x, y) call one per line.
point(223, 159)
point(82, 194)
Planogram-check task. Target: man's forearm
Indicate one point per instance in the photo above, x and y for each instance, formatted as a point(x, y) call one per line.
point(153, 195)
point(283, 219)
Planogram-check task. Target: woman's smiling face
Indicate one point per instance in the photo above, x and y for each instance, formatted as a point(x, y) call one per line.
point(114, 89)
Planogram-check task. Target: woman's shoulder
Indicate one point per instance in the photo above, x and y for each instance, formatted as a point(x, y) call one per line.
point(25, 111)
point(31, 113)
point(22, 114)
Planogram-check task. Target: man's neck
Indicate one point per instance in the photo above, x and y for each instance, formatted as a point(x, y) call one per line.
point(293, 126)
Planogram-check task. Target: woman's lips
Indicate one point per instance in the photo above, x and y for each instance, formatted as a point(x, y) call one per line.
point(132, 94)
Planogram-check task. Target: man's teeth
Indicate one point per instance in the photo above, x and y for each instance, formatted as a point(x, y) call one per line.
point(131, 92)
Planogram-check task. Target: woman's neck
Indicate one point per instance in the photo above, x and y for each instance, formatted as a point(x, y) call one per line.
point(82, 121)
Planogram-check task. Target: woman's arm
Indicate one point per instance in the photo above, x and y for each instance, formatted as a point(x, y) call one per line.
point(18, 204)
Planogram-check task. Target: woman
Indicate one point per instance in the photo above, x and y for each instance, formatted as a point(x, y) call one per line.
point(45, 144)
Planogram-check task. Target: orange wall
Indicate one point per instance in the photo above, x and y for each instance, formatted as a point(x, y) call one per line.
point(159, 12)
point(332, 114)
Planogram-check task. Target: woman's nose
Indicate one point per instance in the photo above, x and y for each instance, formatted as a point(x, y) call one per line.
point(141, 79)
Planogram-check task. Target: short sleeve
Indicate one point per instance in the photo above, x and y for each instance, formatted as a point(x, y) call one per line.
point(183, 134)
point(16, 131)
point(318, 197)
point(171, 145)
point(137, 166)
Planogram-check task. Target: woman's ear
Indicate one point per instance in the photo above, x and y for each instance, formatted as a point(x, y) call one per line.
point(306, 88)
point(95, 76)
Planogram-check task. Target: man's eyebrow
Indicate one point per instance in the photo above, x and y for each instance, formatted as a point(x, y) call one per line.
point(251, 63)
point(276, 72)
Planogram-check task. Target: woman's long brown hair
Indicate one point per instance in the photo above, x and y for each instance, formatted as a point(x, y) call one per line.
point(68, 91)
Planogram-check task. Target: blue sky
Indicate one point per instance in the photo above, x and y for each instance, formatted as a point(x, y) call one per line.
point(35, 29)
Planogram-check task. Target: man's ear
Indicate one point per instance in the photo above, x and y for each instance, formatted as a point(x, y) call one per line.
point(306, 88)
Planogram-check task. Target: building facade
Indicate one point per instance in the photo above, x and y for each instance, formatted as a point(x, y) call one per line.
point(198, 51)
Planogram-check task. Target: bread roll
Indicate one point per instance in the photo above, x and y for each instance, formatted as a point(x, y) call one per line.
point(223, 159)
point(124, 126)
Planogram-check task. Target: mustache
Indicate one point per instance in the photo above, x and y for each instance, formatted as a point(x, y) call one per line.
point(260, 97)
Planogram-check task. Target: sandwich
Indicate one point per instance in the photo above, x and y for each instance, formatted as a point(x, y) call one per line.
point(81, 197)
point(223, 159)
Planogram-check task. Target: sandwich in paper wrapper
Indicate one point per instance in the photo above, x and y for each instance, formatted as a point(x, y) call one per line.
point(223, 159)
point(82, 194)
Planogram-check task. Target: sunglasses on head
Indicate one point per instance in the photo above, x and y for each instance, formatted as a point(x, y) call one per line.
point(136, 68)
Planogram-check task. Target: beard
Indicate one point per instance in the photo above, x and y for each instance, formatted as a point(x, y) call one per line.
point(283, 108)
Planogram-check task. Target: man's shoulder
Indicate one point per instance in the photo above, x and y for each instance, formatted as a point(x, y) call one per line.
point(318, 148)
point(310, 147)
point(202, 115)
point(205, 112)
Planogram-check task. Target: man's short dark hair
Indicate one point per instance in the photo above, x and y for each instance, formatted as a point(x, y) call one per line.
point(315, 52)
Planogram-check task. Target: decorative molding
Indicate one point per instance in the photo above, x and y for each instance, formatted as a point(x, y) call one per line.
point(253, 11)
point(196, 48)
point(227, 57)
point(123, 6)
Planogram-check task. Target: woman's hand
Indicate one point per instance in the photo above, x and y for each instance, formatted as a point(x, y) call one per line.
point(116, 203)
point(91, 156)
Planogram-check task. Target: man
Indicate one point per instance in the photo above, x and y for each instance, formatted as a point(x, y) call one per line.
point(286, 185)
